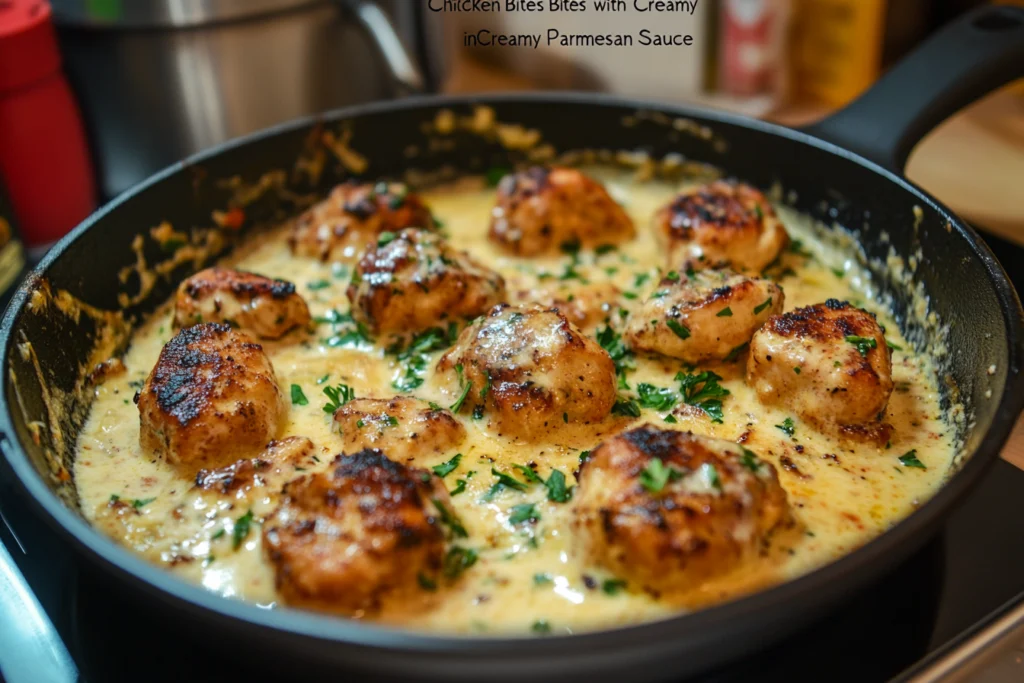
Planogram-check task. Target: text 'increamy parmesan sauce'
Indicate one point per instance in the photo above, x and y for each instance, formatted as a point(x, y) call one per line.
point(528, 576)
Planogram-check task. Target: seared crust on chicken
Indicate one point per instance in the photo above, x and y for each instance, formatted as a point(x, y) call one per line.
point(365, 532)
point(353, 216)
point(845, 371)
point(413, 281)
point(587, 307)
point(404, 427)
point(665, 510)
point(259, 305)
point(530, 370)
point(721, 223)
point(541, 209)
point(270, 469)
point(211, 398)
point(703, 315)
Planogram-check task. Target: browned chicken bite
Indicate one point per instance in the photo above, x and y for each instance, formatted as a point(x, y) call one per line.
point(366, 532)
point(268, 470)
point(211, 398)
point(829, 363)
point(259, 305)
point(405, 428)
point(412, 281)
point(586, 307)
point(353, 217)
point(541, 209)
point(665, 510)
point(721, 223)
point(703, 315)
point(530, 370)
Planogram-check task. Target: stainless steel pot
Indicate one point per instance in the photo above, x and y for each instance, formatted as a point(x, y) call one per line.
point(159, 80)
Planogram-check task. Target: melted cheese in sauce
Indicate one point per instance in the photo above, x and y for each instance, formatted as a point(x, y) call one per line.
point(527, 578)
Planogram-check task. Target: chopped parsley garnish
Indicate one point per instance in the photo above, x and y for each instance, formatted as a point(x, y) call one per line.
point(558, 492)
point(710, 475)
point(749, 460)
point(894, 347)
point(450, 519)
point(672, 276)
point(909, 459)
point(298, 397)
point(626, 407)
point(504, 481)
point(318, 284)
point(760, 307)
point(703, 391)
point(542, 579)
point(787, 426)
point(656, 398)
point(640, 279)
point(838, 272)
point(495, 174)
point(612, 586)
point(603, 249)
point(528, 474)
point(217, 534)
point(139, 503)
point(323, 379)
point(350, 337)
point(446, 468)
point(413, 359)
point(541, 626)
point(460, 486)
point(724, 313)
point(611, 341)
point(339, 395)
point(735, 353)
point(671, 419)
point(426, 583)
point(457, 560)
point(681, 330)
point(656, 475)
point(796, 370)
point(466, 386)
point(386, 237)
point(332, 317)
point(863, 344)
point(241, 530)
point(524, 512)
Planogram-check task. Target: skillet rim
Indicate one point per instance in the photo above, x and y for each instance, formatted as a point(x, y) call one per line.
point(853, 569)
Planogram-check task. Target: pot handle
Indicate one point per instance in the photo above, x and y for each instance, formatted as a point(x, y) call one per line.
point(964, 60)
point(404, 70)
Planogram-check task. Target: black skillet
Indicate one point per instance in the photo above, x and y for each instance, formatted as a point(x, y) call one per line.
point(846, 169)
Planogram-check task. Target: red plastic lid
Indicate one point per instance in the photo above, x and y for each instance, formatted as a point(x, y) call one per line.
point(28, 43)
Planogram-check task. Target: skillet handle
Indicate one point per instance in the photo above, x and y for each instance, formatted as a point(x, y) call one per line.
point(405, 73)
point(964, 60)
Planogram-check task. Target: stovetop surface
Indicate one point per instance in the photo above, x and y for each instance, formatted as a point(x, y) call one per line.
point(972, 568)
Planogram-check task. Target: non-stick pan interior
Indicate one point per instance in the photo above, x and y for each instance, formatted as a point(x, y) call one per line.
point(970, 300)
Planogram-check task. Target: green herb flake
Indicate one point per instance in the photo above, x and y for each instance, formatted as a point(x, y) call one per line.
point(446, 468)
point(528, 474)
point(508, 480)
point(241, 530)
point(450, 519)
point(541, 626)
point(838, 272)
point(760, 307)
point(656, 398)
point(318, 284)
point(787, 426)
point(457, 560)
point(796, 370)
point(338, 396)
point(323, 379)
point(671, 419)
point(672, 276)
point(466, 386)
point(460, 486)
point(612, 586)
point(656, 475)
point(894, 347)
point(863, 344)
point(524, 512)
point(426, 583)
point(749, 460)
point(217, 534)
point(298, 397)
point(680, 330)
point(542, 579)
point(139, 503)
point(909, 459)
point(558, 492)
point(703, 391)
point(626, 408)
point(724, 313)
point(386, 237)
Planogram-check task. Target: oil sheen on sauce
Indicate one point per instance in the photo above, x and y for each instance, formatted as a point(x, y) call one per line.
point(527, 578)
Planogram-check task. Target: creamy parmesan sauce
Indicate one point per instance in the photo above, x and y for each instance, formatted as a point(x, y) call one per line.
point(527, 578)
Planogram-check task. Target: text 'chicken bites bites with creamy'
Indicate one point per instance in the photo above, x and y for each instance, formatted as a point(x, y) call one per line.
point(521, 416)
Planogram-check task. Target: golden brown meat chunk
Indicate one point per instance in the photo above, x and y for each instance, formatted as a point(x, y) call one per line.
point(531, 371)
point(405, 428)
point(350, 540)
point(703, 315)
point(665, 510)
point(211, 398)
point(412, 281)
point(353, 216)
point(721, 223)
point(586, 307)
point(541, 209)
point(259, 305)
point(268, 470)
point(828, 362)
